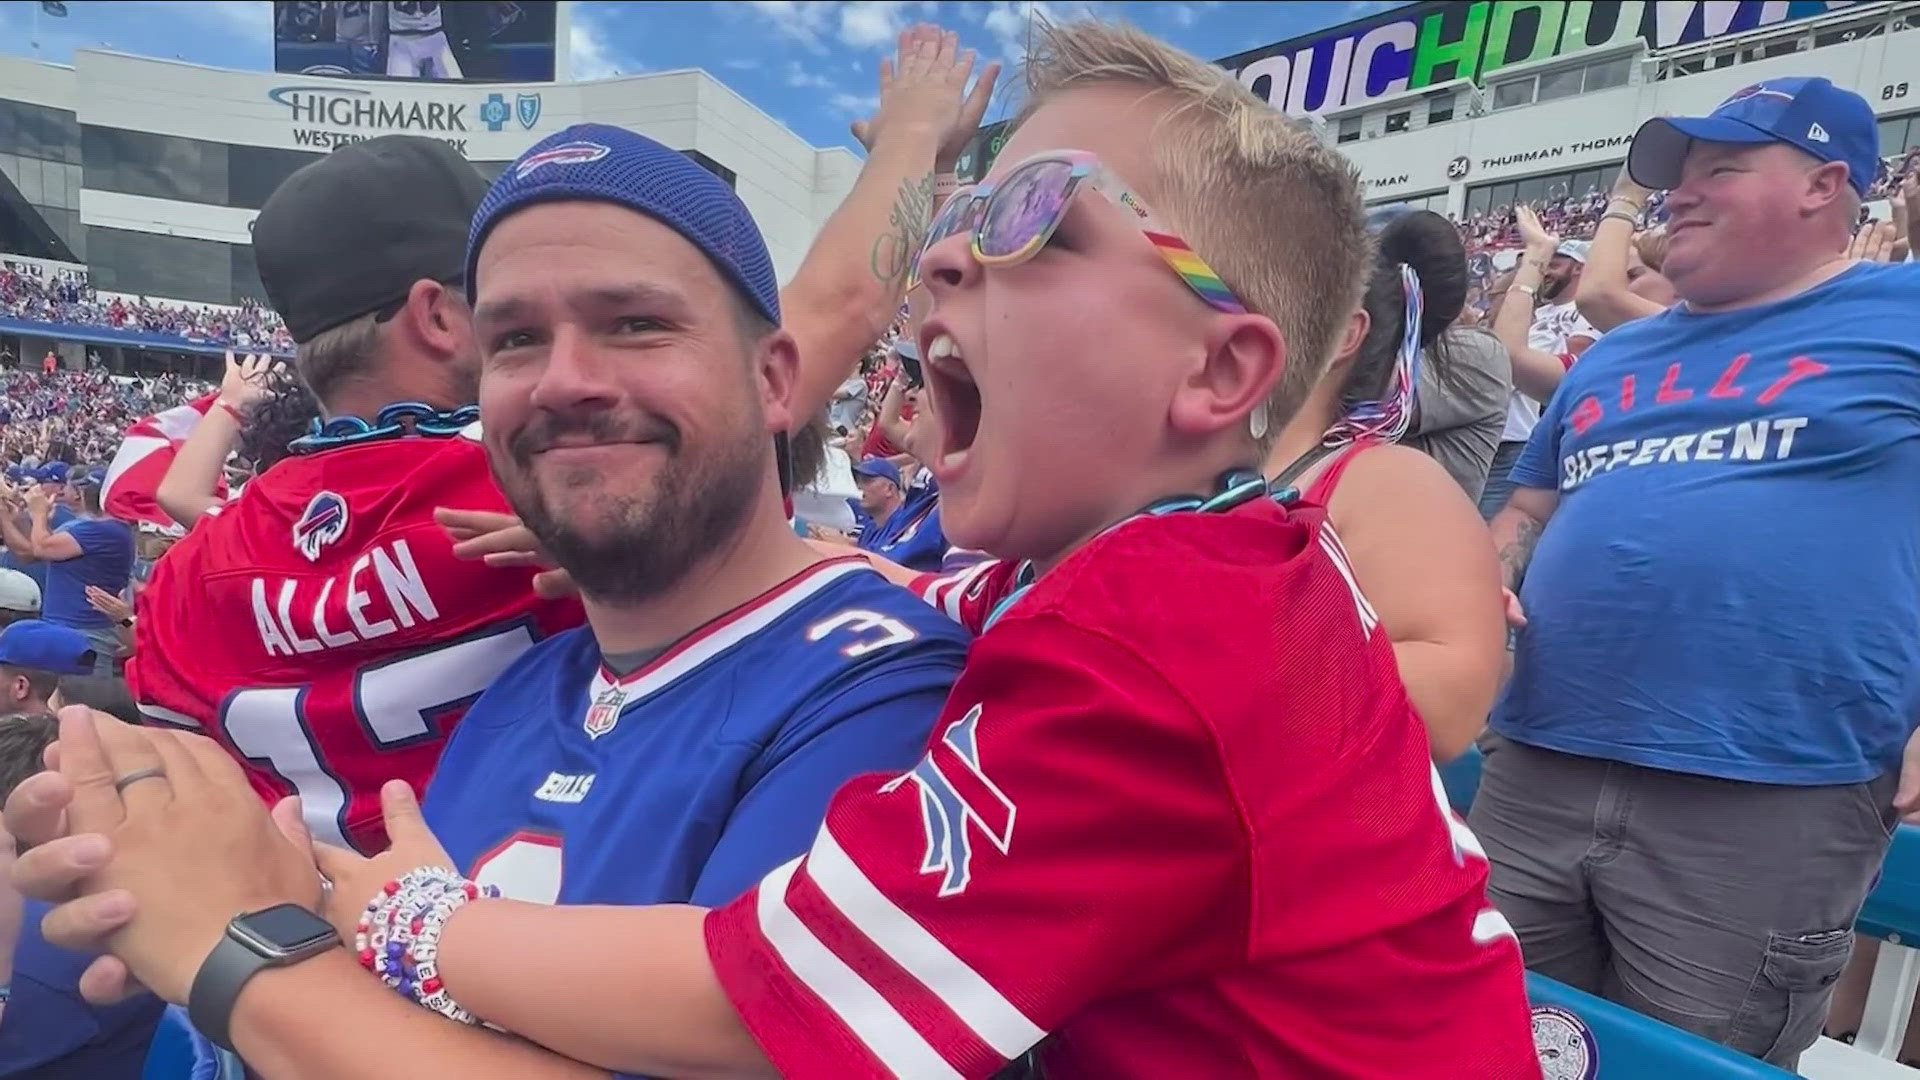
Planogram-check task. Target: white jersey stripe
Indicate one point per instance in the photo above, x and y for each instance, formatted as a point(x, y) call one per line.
point(1336, 551)
point(958, 590)
point(874, 1021)
point(168, 716)
point(1490, 926)
point(719, 639)
point(994, 1019)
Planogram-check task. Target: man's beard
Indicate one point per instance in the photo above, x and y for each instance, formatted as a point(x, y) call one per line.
point(642, 545)
point(1553, 288)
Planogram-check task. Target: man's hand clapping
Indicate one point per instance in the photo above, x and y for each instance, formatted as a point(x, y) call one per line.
point(150, 841)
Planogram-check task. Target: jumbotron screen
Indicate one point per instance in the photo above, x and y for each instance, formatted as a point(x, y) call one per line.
point(470, 41)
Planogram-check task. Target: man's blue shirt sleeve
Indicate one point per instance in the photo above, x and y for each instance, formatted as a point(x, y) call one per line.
point(876, 723)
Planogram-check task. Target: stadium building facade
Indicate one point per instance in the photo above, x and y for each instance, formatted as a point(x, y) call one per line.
point(150, 172)
point(1465, 107)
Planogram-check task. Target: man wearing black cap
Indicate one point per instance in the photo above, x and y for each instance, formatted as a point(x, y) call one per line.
point(1710, 731)
point(329, 577)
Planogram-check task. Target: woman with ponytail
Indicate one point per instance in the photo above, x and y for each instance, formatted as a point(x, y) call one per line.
point(1415, 541)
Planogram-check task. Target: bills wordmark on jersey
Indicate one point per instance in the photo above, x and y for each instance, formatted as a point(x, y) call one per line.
point(955, 791)
point(324, 522)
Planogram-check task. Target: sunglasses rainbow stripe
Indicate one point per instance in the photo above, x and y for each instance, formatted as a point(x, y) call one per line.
point(1012, 218)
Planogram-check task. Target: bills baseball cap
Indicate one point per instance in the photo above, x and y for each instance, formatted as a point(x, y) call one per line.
point(603, 163)
point(53, 472)
point(1809, 113)
point(879, 467)
point(45, 646)
point(352, 232)
point(18, 592)
point(1573, 249)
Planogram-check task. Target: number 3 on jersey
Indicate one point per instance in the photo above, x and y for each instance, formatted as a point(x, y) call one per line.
point(330, 740)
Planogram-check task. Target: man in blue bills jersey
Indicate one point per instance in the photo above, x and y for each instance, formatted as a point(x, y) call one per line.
point(633, 379)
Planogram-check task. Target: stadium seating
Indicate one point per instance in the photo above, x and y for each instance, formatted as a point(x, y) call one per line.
point(1892, 914)
point(1629, 1046)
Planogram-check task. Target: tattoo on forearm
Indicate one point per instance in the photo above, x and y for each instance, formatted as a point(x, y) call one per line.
point(1515, 554)
point(894, 249)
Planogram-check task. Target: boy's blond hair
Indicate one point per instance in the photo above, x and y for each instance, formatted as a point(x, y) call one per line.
point(1274, 210)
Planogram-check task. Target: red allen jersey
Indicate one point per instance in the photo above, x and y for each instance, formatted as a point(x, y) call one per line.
point(320, 628)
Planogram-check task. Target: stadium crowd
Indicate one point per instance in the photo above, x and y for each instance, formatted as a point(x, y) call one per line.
point(1148, 583)
point(66, 297)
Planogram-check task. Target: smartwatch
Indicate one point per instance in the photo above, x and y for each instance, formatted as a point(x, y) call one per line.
point(273, 937)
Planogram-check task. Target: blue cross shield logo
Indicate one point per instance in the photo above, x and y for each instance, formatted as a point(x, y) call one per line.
point(527, 106)
point(493, 112)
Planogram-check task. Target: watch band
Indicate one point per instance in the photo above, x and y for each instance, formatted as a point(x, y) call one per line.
point(228, 967)
point(225, 970)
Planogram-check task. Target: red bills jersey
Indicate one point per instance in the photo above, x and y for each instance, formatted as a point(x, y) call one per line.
point(321, 630)
point(1176, 818)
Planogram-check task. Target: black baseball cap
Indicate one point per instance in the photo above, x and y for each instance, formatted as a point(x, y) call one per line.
point(351, 233)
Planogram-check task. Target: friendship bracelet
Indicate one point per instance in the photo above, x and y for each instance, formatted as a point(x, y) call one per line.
point(1632, 220)
point(398, 935)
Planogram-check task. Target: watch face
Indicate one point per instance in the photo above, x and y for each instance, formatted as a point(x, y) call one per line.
point(288, 929)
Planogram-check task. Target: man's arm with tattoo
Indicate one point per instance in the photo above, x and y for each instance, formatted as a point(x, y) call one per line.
point(1517, 528)
point(849, 287)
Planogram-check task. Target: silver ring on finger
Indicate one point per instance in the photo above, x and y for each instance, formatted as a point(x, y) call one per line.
point(138, 775)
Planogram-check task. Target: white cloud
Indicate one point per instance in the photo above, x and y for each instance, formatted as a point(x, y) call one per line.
point(1011, 24)
point(1183, 14)
point(855, 104)
point(593, 53)
point(800, 21)
point(801, 79)
point(869, 24)
point(590, 50)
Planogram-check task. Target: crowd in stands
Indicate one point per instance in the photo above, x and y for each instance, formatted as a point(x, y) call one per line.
point(66, 297)
point(73, 416)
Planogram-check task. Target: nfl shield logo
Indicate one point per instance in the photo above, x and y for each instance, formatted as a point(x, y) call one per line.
point(605, 712)
point(527, 107)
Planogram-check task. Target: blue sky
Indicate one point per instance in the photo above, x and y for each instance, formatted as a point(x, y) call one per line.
point(811, 65)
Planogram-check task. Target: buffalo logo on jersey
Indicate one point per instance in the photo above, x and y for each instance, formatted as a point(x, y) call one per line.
point(323, 523)
point(604, 712)
point(955, 791)
point(567, 153)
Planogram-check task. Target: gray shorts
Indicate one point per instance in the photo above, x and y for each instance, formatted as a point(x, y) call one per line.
point(1718, 906)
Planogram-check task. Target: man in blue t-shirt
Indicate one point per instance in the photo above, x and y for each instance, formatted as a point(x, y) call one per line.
point(1696, 765)
point(89, 550)
point(53, 477)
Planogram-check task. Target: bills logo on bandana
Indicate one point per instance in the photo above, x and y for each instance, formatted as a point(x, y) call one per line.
point(955, 792)
point(568, 153)
point(604, 712)
point(323, 522)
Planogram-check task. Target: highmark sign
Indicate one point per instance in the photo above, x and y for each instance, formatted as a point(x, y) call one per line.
point(326, 117)
point(1441, 40)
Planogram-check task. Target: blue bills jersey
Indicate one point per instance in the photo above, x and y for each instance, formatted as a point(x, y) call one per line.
point(689, 779)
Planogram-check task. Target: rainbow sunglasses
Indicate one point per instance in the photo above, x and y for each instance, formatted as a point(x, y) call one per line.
point(1013, 217)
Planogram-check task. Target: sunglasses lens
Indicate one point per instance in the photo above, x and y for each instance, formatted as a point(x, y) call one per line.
point(1025, 206)
point(953, 216)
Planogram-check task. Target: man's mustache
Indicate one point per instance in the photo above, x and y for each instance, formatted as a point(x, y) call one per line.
point(547, 430)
